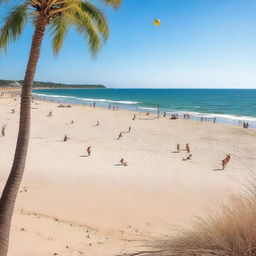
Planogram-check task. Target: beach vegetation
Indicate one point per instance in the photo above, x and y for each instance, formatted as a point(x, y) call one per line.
point(230, 230)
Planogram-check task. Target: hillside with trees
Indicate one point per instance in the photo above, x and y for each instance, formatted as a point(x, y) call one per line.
point(37, 84)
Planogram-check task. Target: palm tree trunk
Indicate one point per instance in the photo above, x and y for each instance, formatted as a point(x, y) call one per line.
point(8, 198)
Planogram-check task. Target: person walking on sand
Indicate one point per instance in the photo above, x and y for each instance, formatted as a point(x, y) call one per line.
point(13, 111)
point(120, 136)
point(134, 117)
point(164, 115)
point(129, 129)
point(225, 161)
point(178, 147)
point(65, 138)
point(98, 123)
point(3, 130)
point(89, 151)
point(187, 148)
point(214, 120)
point(94, 104)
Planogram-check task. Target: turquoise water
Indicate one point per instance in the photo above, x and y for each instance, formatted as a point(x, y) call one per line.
point(228, 106)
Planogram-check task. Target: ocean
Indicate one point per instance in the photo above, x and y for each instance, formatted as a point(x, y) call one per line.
point(232, 106)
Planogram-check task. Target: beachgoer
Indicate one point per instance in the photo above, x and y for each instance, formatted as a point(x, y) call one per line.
point(109, 106)
point(124, 163)
point(3, 130)
point(49, 114)
point(65, 138)
point(225, 161)
point(72, 122)
point(89, 151)
point(13, 111)
point(98, 123)
point(246, 125)
point(178, 147)
point(129, 129)
point(164, 115)
point(94, 104)
point(187, 158)
point(120, 136)
point(202, 119)
point(214, 120)
point(147, 114)
point(187, 148)
point(134, 117)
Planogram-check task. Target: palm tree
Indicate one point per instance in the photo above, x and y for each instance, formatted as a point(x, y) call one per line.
point(58, 15)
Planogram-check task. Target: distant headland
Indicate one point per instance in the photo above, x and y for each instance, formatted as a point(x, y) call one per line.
point(50, 85)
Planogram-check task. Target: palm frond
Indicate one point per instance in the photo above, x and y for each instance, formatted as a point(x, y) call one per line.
point(13, 25)
point(98, 17)
point(113, 3)
point(59, 27)
point(86, 26)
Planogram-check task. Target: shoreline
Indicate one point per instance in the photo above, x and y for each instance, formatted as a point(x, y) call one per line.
point(196, 116)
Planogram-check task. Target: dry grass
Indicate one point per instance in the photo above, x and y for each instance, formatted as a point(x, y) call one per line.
point(230, 232)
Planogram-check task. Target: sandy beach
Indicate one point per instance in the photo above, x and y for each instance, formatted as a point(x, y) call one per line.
point(70, 204)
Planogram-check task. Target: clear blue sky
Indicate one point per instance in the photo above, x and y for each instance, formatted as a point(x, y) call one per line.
point(200, 43)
